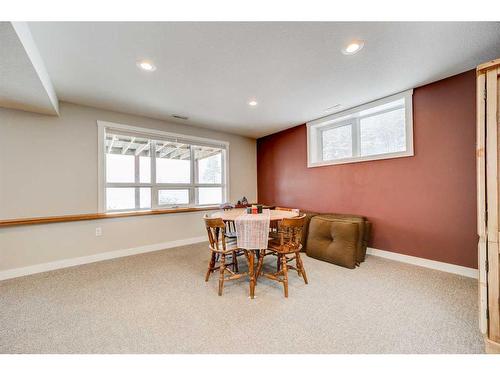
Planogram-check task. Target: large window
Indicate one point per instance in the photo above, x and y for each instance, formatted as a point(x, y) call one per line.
point(379, 130)
point(142, 169)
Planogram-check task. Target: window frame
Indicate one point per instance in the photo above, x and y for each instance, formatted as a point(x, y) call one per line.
point(151, 134)
point(353, 117)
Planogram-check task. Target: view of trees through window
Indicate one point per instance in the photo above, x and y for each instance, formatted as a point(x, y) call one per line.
point(374, 134)
point(383, 133)
point(210, 169)
point(337, 143)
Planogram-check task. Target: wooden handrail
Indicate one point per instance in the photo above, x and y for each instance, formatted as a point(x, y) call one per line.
point(96, 216)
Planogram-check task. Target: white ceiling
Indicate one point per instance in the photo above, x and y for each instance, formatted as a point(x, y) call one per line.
point(209, 71)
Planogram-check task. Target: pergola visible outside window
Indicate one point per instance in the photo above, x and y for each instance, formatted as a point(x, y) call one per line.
point(143, 169)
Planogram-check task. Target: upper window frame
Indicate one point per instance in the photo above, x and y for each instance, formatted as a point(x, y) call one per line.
point(158, 134)
point(353, 115)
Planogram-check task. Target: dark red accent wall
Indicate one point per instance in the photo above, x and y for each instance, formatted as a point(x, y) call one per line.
point(423, 206)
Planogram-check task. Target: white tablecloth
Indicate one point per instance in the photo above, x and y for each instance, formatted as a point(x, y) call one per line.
point(253, 230)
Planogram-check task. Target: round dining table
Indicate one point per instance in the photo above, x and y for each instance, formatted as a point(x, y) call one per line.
point(274, 216)
point(232, 214)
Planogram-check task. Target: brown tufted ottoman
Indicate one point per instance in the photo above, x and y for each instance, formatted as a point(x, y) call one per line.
point(333, 240)
point(364, 229)
point(305, 230)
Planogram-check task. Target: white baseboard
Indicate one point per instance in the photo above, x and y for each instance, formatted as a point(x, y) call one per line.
point(422, 262)
point(43, 267)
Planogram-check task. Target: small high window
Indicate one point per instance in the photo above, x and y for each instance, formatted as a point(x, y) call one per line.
point(379, 130)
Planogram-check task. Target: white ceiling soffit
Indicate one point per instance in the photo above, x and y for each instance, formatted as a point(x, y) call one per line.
point(24, 82)
point(209, 71)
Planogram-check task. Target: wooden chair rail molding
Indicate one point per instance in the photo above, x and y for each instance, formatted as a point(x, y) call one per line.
point(111, 215)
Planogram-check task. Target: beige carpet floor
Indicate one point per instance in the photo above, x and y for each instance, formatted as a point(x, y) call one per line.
point(159, 303)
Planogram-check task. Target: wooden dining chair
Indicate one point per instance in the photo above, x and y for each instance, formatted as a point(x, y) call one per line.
point(287, 247)
point(273, 228)
point(230, 225)
point(230, 229)
point(220, 248)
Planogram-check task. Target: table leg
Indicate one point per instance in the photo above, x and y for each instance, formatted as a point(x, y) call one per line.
point(260, 262)
point(251, 273)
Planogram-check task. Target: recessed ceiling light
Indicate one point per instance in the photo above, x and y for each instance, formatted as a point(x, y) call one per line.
point(146, 65)
point(353, 47)
point(252, 103)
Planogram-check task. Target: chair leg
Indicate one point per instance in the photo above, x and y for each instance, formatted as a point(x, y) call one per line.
point(211, 265)
point(259, 265)
point(278, 263)
point(297, 265)
point(235, 262)
point(300, 266)
point(221, 274)
point(285, 274)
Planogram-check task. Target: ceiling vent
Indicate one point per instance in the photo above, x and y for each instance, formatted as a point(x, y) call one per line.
point(180, 117)
point(336, 106)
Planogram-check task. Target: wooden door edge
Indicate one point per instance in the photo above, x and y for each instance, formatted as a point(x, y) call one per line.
point(492, 64)
point(491, 347)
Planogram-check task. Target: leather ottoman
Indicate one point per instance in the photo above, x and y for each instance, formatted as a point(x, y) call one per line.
point(305, 229)
point(364, 232)
point(333, 240)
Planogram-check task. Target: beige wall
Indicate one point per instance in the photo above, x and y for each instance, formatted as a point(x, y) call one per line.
point(48, 166)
